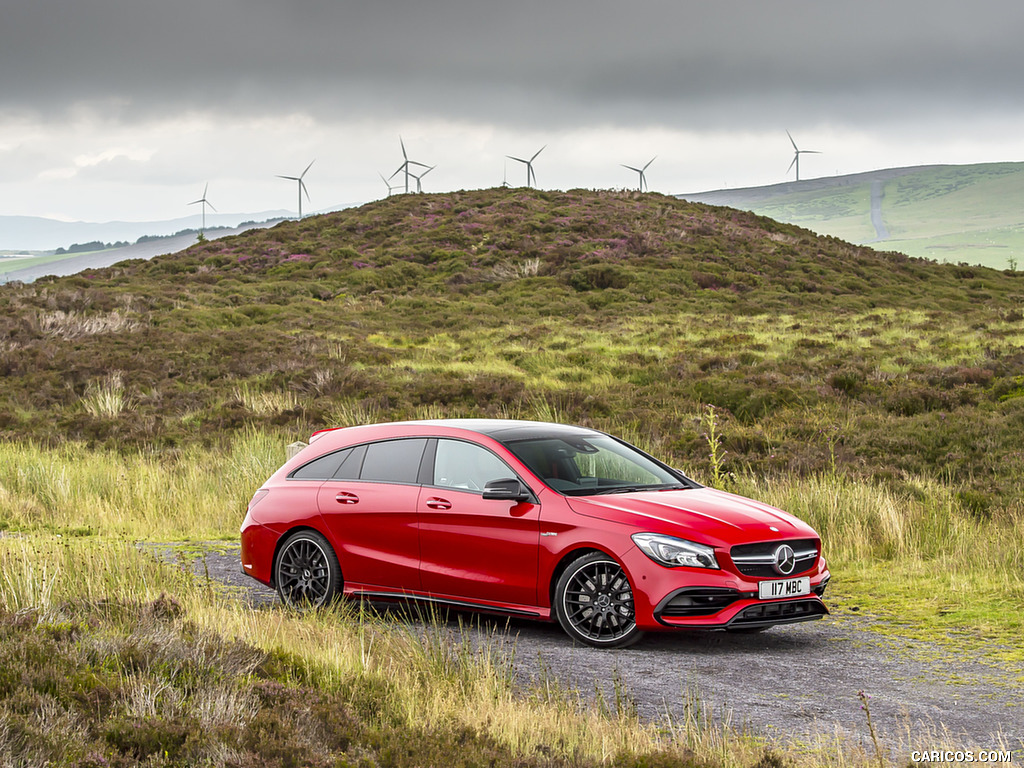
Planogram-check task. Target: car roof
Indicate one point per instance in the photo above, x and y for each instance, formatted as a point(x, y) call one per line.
point(501, 430)
point(511, 429)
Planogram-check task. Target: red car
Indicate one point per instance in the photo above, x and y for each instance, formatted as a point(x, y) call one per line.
point(544, 521)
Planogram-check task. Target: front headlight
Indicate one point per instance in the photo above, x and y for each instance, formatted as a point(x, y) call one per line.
point(672, 552)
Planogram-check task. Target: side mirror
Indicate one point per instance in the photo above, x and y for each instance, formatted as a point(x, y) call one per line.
point(506, 489)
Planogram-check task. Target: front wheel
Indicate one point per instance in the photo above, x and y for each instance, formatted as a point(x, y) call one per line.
point(594, 603)
point(307, 573)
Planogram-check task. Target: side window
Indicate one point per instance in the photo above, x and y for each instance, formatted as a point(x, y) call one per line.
point(322, 468)
point(393, 461)
point(467, 466)
point(350, 465)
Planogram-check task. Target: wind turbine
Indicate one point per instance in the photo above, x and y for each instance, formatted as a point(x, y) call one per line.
point(405, 165)
point(530, 175)
point(419, 187)
point(643, 179)
point(387, 184)
point(504, 176)
point(205, 203)
point(796, 156)
point(302, 185)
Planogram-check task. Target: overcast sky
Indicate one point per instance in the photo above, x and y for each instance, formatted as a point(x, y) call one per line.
point(125, 109)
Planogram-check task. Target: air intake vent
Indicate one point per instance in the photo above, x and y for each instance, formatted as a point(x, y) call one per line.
point(779, 613)
point(699, 601)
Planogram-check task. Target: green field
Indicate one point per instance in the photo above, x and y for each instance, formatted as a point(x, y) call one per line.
point(12, 265)
point(971, 213)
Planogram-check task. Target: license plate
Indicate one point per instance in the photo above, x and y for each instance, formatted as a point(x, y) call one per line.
point(769, 590)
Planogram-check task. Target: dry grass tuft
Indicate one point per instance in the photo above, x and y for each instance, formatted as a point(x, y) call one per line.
point(106, 398)
point(266, 403)
point(76, 325)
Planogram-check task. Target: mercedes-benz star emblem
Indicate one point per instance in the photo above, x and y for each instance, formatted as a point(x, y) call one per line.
point(785, 560)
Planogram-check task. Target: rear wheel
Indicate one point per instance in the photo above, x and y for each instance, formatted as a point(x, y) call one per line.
point(594, 603)
point(307, 573)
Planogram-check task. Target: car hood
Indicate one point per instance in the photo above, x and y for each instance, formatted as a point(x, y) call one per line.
point(704, 515)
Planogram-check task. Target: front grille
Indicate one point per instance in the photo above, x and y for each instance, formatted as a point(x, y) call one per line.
point(759, 559)
point(699, 601)
point(779, 613)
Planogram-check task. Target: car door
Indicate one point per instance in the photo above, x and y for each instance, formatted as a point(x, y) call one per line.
point(470, 547)
point(369, 508)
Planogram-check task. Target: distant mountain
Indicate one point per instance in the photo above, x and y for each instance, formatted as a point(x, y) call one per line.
point(32, 268)
point(953, 213)
point(33, 233)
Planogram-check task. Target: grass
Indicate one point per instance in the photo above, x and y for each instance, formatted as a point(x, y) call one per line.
point(11, 265)
point(841, 212)
point(911, 558)
point(192, 494)
point(108, 653)
point(908, 556)
point(111, 657)
point(106, 397)
point(953, 214)
point(879, 397)
point(98, 666)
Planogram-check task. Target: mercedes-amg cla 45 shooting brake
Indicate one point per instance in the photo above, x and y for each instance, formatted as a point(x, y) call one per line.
point(527, 519)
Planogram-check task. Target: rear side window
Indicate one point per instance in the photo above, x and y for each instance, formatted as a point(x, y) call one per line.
point(349, 469)
point(322, 468)
point(393, 461)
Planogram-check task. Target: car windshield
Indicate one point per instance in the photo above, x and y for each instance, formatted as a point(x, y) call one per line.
point(591, 465)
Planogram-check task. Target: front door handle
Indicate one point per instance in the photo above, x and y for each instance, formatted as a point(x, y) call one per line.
point(346, 498)
point(437, 503)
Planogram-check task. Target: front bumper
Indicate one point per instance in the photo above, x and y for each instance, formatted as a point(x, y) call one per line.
point(698, 598)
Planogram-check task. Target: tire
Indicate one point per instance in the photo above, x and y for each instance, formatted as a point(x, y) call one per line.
point(594, 603)
point(306, 571)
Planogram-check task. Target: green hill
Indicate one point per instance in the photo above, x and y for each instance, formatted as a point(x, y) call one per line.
point(878, 397)
point(970, 213)
point(628, 312)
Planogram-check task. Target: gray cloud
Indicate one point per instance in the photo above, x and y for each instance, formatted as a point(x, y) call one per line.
point(704, 64)
point(125, 109)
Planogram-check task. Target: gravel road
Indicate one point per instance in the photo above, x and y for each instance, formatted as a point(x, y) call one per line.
point(795, 683)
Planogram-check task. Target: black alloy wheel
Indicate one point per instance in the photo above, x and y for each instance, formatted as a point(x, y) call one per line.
point(307, 573)
point(594, 603)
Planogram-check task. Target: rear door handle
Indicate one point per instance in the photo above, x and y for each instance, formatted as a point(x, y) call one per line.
point(436, 503)
point(346, 498)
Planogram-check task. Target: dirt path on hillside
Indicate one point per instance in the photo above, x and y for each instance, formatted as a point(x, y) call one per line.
point(795, 683)
point(877, 195)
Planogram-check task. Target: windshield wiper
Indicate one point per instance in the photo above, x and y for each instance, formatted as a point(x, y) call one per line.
point(635, 488)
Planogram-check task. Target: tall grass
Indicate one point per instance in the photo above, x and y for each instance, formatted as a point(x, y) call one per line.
point(917, 557)
point(431, 675)
point(198, 493)
point(268, 402)
point(908, 555)
point(41, 572)
point(106, 398)
point(912, 551)
point(191, 656)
